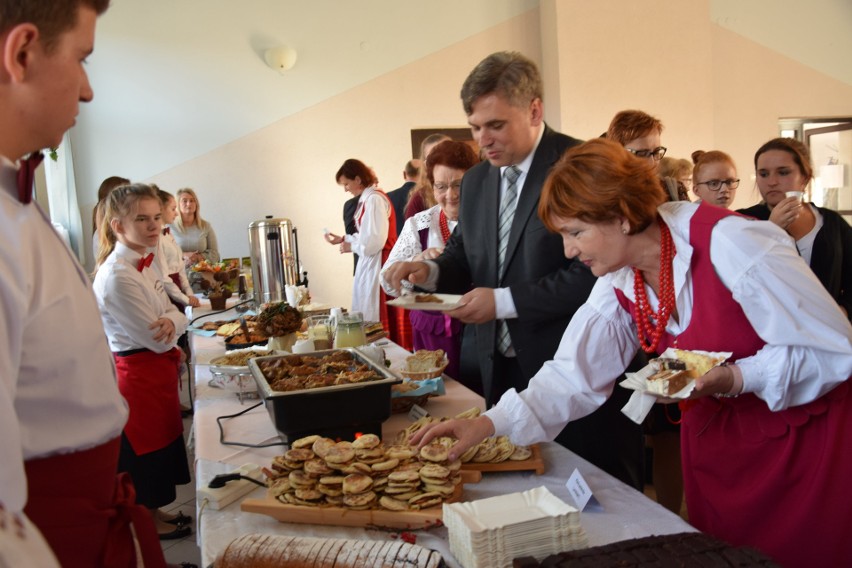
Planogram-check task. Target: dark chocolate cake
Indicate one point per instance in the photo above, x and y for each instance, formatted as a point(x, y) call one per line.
point(672, 550)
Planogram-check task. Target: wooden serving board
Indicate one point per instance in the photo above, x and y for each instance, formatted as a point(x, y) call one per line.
point(341, 516)
point(534, 463)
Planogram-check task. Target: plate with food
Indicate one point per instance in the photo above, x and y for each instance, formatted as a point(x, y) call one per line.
point(427, 301)
point(673, 374)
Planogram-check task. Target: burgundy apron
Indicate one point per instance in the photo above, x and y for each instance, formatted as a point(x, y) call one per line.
point(777, 481)
point(86, 512)
point(149, 383)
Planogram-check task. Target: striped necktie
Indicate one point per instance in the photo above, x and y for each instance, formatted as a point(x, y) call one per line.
point(507, 214)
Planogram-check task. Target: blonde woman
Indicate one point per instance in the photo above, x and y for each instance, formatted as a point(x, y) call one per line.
point(195, 236)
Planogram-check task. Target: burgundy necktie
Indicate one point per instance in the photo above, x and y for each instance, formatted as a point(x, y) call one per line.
point(167, 230)
point(26, 176)
point(145, 261)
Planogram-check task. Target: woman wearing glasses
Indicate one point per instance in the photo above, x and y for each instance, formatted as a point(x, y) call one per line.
point(823, 238)
point(639, 133)
point(423, 238)
point(714, 178)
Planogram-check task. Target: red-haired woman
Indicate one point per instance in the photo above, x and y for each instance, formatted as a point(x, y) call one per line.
point(424, 237)
point(714, 176)
point(765, 438)
point(376, 223)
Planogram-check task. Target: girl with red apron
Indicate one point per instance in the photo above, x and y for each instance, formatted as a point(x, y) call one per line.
point(143, 327)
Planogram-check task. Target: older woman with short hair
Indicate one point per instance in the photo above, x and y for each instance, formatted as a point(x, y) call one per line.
point(423, 237)
point(765, 437)
point(375, 221)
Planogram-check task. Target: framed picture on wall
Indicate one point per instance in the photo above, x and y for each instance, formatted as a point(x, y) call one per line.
point(461, 134)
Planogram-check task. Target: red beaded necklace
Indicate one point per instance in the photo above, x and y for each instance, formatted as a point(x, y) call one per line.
point(650, 334)
point(445, 227)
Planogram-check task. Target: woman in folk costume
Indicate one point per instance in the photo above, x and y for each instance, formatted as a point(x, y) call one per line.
point(765, 438)
point(376, 221)
point(142, 327)
point(423, 237)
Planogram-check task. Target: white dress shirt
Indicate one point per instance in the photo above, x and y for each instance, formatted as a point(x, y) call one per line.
point(169, 260)
point(58, 391)
point(130, 301)
point(504, 304)
point(808, 347)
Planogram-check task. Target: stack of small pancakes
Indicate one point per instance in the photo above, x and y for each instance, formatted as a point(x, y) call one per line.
point(496, 449)
point(364, 474)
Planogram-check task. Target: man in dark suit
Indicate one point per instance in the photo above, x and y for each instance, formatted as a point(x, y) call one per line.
point(399, 196)
point(524, 290)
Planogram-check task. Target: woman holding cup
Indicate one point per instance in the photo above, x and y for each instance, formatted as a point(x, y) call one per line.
point(823, 237)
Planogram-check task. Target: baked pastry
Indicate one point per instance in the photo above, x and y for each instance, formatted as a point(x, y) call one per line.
point(668, 382)
point(697, 364)
point(424, 360)
point(428, 299)
point(275, 551)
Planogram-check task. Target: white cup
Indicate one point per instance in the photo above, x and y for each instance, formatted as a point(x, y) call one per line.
point(294, 295)
point(797, 194)
point(303, 346)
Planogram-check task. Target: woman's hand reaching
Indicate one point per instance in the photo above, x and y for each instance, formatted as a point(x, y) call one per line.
point(468, 433)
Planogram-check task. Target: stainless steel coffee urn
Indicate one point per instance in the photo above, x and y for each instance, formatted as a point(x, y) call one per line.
point(274, 258)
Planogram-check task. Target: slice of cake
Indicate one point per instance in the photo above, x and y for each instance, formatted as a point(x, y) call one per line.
point(668, 381)
point(697, 364)
point(424, 360)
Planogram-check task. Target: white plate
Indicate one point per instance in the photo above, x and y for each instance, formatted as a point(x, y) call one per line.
point(217, 367)
point(513, 509)
point(409, 302)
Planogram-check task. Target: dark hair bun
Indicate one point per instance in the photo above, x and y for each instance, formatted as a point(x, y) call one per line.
point(697, 156)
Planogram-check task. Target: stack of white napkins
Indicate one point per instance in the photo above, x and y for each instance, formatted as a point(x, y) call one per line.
point(491, 532)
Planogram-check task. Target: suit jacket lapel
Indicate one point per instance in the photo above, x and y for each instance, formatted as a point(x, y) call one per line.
point(490, 214)
point(528, 201)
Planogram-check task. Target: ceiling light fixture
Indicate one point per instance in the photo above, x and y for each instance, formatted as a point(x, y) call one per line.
point(281, 58)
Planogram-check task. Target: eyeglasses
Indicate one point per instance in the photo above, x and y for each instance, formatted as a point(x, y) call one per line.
point(444, 187)
point(716, 184)
point(657, 153)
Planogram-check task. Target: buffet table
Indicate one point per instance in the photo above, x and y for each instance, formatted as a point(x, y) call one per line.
point(622, 512)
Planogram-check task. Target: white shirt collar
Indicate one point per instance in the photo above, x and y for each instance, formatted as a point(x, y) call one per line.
point(525, 164)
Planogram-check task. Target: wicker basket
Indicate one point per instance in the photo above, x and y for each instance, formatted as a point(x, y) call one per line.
point(423, 375)
point(402, 404)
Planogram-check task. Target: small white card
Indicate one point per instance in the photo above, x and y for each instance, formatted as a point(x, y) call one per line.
point(417, 412)
point(580, 492)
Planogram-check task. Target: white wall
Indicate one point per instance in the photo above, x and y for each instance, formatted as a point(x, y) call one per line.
point(178, 109)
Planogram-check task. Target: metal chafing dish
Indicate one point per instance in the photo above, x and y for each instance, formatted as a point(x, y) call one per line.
point(339, 411)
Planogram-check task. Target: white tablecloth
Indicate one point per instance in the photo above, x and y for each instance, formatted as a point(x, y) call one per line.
point(623, 512)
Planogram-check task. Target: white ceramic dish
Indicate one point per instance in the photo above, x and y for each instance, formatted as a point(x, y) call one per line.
point(409, 302)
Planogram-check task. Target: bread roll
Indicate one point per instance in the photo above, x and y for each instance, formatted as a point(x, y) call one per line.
point(278, 551)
